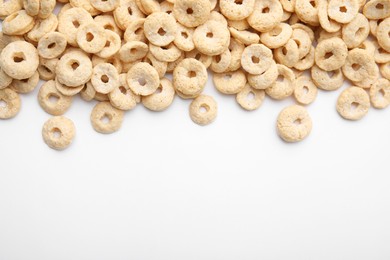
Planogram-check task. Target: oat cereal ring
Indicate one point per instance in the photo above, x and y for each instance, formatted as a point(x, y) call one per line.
point(306, 62)
point(288, 5)
point(122, 97)
point(127, 12)
point(218, 17)
point(356, 31)
point(88, 92)
point(105, 118)
point(74, 69)
point(286, 16)
point(42, 27)
point(190, 77)
point(353, 103)
point(239, 25)
point(236, 10)
point(277, 37)
point(385, 70)
point(68, 91)
point(302, 38)
point(113, 60)
point(380, 94)
point(149, 6)
point(327, 80)
point(6, 39)
point(205, 59)
point(266, 15)
point(5, 80)
point(143, 79)
point(368, 46)
point(52, 101)
point(192, 13)
point(383, 34)
point(105, 78)
point(373, 76)
point(91, 37)
point(9, 7)
point(17, 23)
point(132, 51)
point(108, 23)
point(25, 86)
point(287, 55)
point(168, 53)
point(229, 82)
point(358, 65)
point(183, 38)
point(305, 28)
point(331, 54)
point(46, 8)
point(377, 9)
point(220, 63)
point(166, 7)
point(380, 55)
point(264, 80)
point(211, 38)
point(256, 59)
point(135, 31)
point(47, 68)
point(19, 59)
point(283, 87)
point(160, 28)
point(162, 98)
point(12, 103)
point(105, 5)
point(58, 132)
point(326, 23)
point(305, 91)
point(343, 11)
point(160, 66)
point(245, 37)
point(52, 45)
point(101, 97)
point(63, 9)
point(294, 124)
point(249, 98)
point(112, 45)
point(203, 110)
point(324, 35)
point(236, 49)
point(307, 11)
point(86, 5)
point(31, 7)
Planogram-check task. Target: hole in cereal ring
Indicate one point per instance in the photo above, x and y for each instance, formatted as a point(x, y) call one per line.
point(108, 43)
point(130, 11)
point(109, 27)
point(189, 11)
point(19, 57)
point(142, 81)
point(381, 93)
point(313, 3)
point(53, 98)
point(331, 73)
point(359, 31)
point(198, 56)
point(276, 31)
point(328, 55)
point(24, 80)
point(305, 90)
point(191, 74)
point(356, 66)
point(280, 78)
point(265, 10)
point(159, 90)
point(76, 24)
point(250, 96)
point(297, 121)
point(184, 34)
point(3, 104)
point(354, 106)
point(56, 133)
point(343, 9)
point(298, 42)
point(133, 51)
point(255, 59)
point(138, 31)
point(89, 36)
point(123, 90)
point(227, 76)
point(238, 2)
point(379, 6)
point(217, 58)
point(284, 50)
point(106, 118)
point(204, 108)
point(209, 35)
point(51, 45)
point(104, 78)
point(161, 31)
point(74, 65)
point(47, 69)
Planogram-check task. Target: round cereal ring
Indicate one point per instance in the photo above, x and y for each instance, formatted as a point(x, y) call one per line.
point(160, 66)
point(307, 11)
point(306, 62)
point(236, 10)
point(168, 53)
point(305, 91)
point(10, 106)
point(74, 69)
point(383, 34)
point(192, 13)
point(9, 7)
point(105, 5)
point(166, 7)
point(302, 38)
point(25, 86)
point(105, 78)
point(108, 23)
point(52, 101)
point(287, 55)
point(162, 98)
point(190, 77)
point(306, 28)
point(58, 132)
point(374, 26)
point(160, 28)
point(5, 80)
point(377, 9)
point(52, 45)
point(203, 110)
point(220, 63)
point(283, 87)
point(288, 5)
point(184, 38)
point(17, 23)
point(368, 46)
point(47, 68)
point(101, 97)
point(91, 37)
point(286, 16)
point(42, 27)
point(330, 54)
point(327, 80)
point(380, 55)
point(385, 70)
point(149, 6)
point(266, 79)
point(266, 15)
point(105, 118)
point(249, 98)
point(356, 31)
point(359, 65)
point(256, 59)
point(112, 45)
point(211, 38)
point(46, 8)
point(236, 49)
point(326, 23)
point(343, 11)
point(380, 94)
point(65, 7)
point(68, 91)
point(240, 25)
point(132, 51)
point(294, 123)
point(229, 82)
point(127, 12)
point(277, 37)
point(135, 31)
point(88, 92)
point(7, 39)
point(245, 37)
point(143, 79)
point(373, 76)
point(122, 97)
point(86, 5)
point(353, 103)
point(19, 60)
point(31, 7)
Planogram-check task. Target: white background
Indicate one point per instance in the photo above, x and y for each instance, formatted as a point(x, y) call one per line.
point(164, 188)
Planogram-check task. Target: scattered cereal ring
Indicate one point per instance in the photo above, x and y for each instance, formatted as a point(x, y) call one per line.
point(327, 80)
point(31, 7)
point(359, 65)
point(17, 23)
point(307, 11)
point(105, 5)
point(355, 32)
point(160, 28)
point(256, 59)
point(377, 9)
point(220, 63)
point(190, 77)
point(294, 124)
point(47, 68)
point(133, 51)
point(88, 92)
point(306, 62)
point(266, 79)
point(168, 53)
point(5, 80)
point(105, 118)
point(192, 13)
point(288, 55)
point(58, 132)
point(266, 15)
point(383, 34)
point(122, 97)
point(42, 27)
point(229, 82)
point(277, 37)
point(51, 45)
point(203, 110)
point(162, 98)
point(74, 69)
point(25, 86)
point(183, 38)
point(211, 38)
point(52, 101)
point(91, 37)
point(236, 10)
point(68, 91)
point(326, 23)
point(283, 87)
point(305, 91)
point(353, 103)
point(46, 8)
point(343, 11)
point(105, 78)
point(330, 54)
point(160, 66)
point(112, 45)
point(11, 101)
point(380, 94)
point(143, 79)
point(385, 70)
point(245, 37)
point(249, 98)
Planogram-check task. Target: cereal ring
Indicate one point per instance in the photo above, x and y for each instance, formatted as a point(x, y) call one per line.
point(192, 13)
point(305, 91)
point(17, 23)
point(236, 10)
point(105, 78)
point(135, 31)
point(294, 124)
point(58, 132)
point(105, 118)
point(19, 59)
point(11, 103)
point(7, 39)
point(385, 70)
point(307, 11)
point(203, 110)
point(31, 7)
point(287, 55)
point(105, 5)
point(68, 91)
point(26, 85)
point(305, 28)
point(52, 45)
point(101, 97)
point(266, 15)
point(122, 97)
point(168, 53)
point(218, 17)
point(383, 34)
point(126, 12)
point(343, 11)
point(331, 54)
point(239, 24)
point(249, 98)
point(353, 103)
point(52, 101)
point(160, 66)
point(113, 60)
point(190, 77)
point(162, 98)
point(108, 23)
point(373, 76)
point(5, 80)
point(86, 5)
point(380, 55)
point(277, 37)
point(245, 37)
point(229, 82)
point(149, 6)
point(88, 92)
point(286, 16)
point(47, 68)
point(166, 7)
point(265, 80)
point(326, 23)
point(42, 27)
point(283, 87)
point(324, 35)
point(302, 38)
point(306, 62)
point(256, 59)
point(220, 63)
point(160, 28)
point(368, 46)
point(143, 79)
point(358, 65)
point(356, 31)
point(46, 8)
point(91, 37)
point(132, 51)
point(205, 59)
point(236, 49)
point(184, 38)
point(9, 7)
point(377, 9)
point(380, 94)
point(74, 69)
point(327, 80)
point(112, 45)
point(288, 5)
point(211, 38)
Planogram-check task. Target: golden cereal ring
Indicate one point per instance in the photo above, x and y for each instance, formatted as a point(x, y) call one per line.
point(211, 38)
point(368, 46)
point(359, 65)
point(5, 80)
point(52, 101)
point(288, 5)
point(355, 32)
point(86, 5)
point(11, 100)
point(58, 132)
point(26, 85)
point(236, 49)
point(294, 124)
point(112, 45)
point(229, 82)
point(166, 7)
point(306, 62)
point(256, 59)
point(373, 76)
point(17, 23)
point(168, 53)
point(305, 91)
point(326, 23)
point(46, 8)
point(105, 118)
point(287, 55)
point(47, 68)
point(10, 7)
point(160, 66)
point(132, 51)
point(19, 60)
point(108, 23)
point(122, 97)
point(52, 45)
point(74, 69)
point(91, 37)
point(380, 94)
point(307, 11)
point(353, 103)
point(143, 79)
point(277, 37)
point(383, 34)
point(184, 38)
point(236, 10)
point(68, 91)
point(162, 98)
point(160, 28)
point(105, 78)
point(266, 15)
point(245, 37)
point(220, 63)
point(377, 9)
point(302, 38)
point(31, 7)
point(385, 70)
point(343, 11)
point(192, 13)
point(283, 87)
point(105, 5)
point(249, 98)
point(190, 77)
point(88, 92)
point(327, 80)
point(203, 110)
point(266, 79)
point(331, 54)
point(42, 27)
point(126, 12)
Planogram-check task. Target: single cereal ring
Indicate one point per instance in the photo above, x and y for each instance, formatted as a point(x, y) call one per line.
point(9, 7)
point(356, 31)
point(160, 28)
point(42, 27)
point(305, 28)
point(327, 80)
point(294, 124)
point(266, 15)
point(220, 63)
point(88, 92)
point(353, 103)
point(203, 110)
point(112, 45)
point(377, 9)
point(305, 91)
point(47, 68)
point(132, 51)
point(380, 55)
point(211, 38)
point(149, 6)
point(307, 11)
point(74, 69)
point(52, 101)
point(168, 53)
point(266, 79)
point(135, 31)
point(359, 65)
point(236, 49)
point(52, 45)
point(380, 94)
point(5, 80)
point(25, 86)
point(229, 82)
point(236, 10)
point(68, 91)
point(105, 5)
point(245, 37)
point(160, 66)
point(190, 77)
point(113, 60)
point(288, 5)
point(91, 37)
point(343, 11)
point(331, 54)
point(256, 59)
point(122, 97)
point(46, 8)
point(166, 7)
point(12, 103)
point(283, 87)
point(239, 24)
point(326, 23)
point(143, 79)
point(302, 38)
point(184, 38)
point(277, 37)
point(287, 55)
point(31, 7)
point(19, 59)
point(249, 98)
point(383, 34)
point(192, 13)
point(58, 132)
point(17, 23)
point(385, 70)
point(368, 46)
point(105, 78)
point(108, 23)
point(126, 12)
point(162, 98)
point(306, 62)
point(373, 76)
point(105, 118)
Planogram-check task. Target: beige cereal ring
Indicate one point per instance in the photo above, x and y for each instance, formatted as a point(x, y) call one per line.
point(160, 66)
point(239, 24)
point(218, 17)
point(305, 91)
point(52, 101)
point(359, 65)
point(160, 28)
point(149, 6)
point(383, 34)
point(288, 5)
point(17, 23)
point(326, 23)
point(190, 77)
point(166, 7)
point(105, 5)
point(5, 80)
point(385, 70)
point(26, 85)
point(47, 68)
point(380, 55)
point(220, 63)
point(105, 118)
point(380, 94)
point(302, 38)
point(132, 51)
point(122, 97)
point(343, 11)
point(327, 80)
point(203, 110)
point(31, 7)
point(68, 91)
point(294, 124)
point(306, 62)
point(172, 65)
point(184, 38)
point(249, 98)
point(356, 32)
point(107, 21)
point(256, 59)
point(11, 101)
point(91, 37)
point(143, 79)
point(330, 54)
point(287, 55)
point(353, 103)
point(135, 31)
point(46, 8)
point(266, 79)
point(211, 38)
point(245, 37)
point(377, 9)
point(168, 53)
point(236, 49)
point(307, 11)
point(101, 97)
point(236, 10)
point(305, 28)
point(283, 87)
point(162, 98)
point(52, 45)
point(58, 132)
point(86, 5)
point(126, 12)
point(6, 39)
point(113, 60)
point(277, 37)
point(88, 92)
point(266, 15)
point(9, 7)
point(368, 46)
point(230, 82)
point(112, 46)
point(42, 27)
point(192, 13)
point(74, 69)
point(105, 78)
